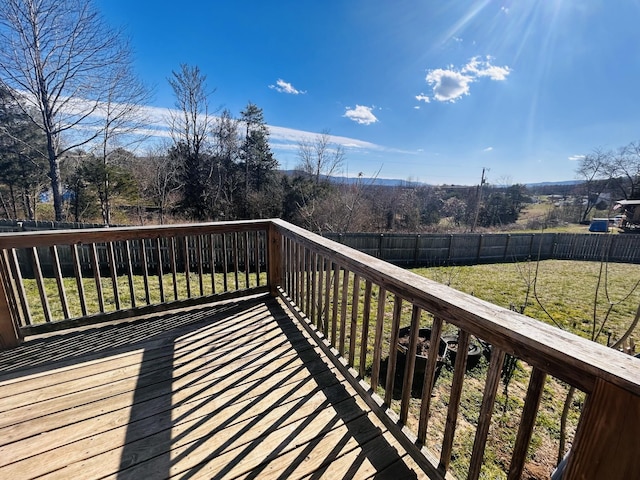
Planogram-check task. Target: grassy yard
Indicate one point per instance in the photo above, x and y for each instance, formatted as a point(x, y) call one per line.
point(576, 296)
point(108, 294)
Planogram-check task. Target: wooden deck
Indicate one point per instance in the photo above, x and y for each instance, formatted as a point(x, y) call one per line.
point(235, 390)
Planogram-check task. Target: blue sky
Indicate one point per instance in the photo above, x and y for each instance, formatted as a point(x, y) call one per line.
point(432, 90)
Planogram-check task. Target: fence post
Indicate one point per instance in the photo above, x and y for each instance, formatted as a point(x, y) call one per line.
point(506, 247)
point(274, 252)
point(416, 252)
point(10, 335)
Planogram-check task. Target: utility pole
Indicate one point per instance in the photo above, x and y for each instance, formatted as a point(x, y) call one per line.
point(478, 200)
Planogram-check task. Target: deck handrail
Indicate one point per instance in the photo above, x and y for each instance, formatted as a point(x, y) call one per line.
point(325, 283)
point(608, 377)
point(128, 270)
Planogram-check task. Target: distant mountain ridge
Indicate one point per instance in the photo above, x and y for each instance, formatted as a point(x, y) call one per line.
point(395, 182)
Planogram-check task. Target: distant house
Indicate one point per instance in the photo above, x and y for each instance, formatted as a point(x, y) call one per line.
point(630, 215)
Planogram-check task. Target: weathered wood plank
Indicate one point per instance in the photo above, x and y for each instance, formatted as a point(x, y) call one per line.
point(377, 342)
point(57, 273)
point(454, 400)
point(486, 410)
point(37, 270)
point(527, 422)
point(221, 390)
point(606, 446)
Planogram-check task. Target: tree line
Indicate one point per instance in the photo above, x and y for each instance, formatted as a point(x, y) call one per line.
point(219, 167)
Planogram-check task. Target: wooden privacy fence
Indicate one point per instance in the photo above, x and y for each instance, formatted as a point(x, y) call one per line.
point(357, 305)
point(420, 250)
point(89, 275)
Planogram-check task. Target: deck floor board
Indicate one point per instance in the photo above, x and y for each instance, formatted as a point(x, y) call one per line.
point(227, 391)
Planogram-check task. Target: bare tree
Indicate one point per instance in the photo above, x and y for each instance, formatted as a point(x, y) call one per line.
point(320, 157)
point(124, 122)
point(624, 170)
point(157, 178)
point(190, 128)
point(60, 56)
point(594, 169)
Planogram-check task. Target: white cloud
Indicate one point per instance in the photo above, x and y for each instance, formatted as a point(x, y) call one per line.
point(423, 98)
point(361, 114)
point(488, 149)
point(483, 68)
point(285, 87)
point(575, 158)
point(449, 84)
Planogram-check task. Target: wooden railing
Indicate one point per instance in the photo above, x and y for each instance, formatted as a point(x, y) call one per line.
point(58, 279)
point(356, 306)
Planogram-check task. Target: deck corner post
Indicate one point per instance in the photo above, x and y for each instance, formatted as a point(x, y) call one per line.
point(605, 446)
point(10, 335)
point(274, 259)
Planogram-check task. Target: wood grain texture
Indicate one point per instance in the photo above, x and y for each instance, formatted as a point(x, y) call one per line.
point(230, 392)
point(606, 445)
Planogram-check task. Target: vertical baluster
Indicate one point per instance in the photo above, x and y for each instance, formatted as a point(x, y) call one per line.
point(160, 270)
point(285, 264)
point(11, 289)
point(22, 294)
point(486, 409)
point(454, 399)
point(57, 272)
point(297, 278)
point(343, 309)
point(187, 266)
point(145, 270)
point(320, 292)
point(225, 263)
point(212, 262)
point(314, 267)
point(377, 342)
point(174, 266)
point(95, 265)
point(364, 339)
point(393, 356)
point(429, 379)
point(527, 423)
point(130, 278)
point(246, 260)
point(327, 296)
point(302, 272)
point(79, 281)
point(199, 257)
point(334, 310)
point(235, 259)
point(410, 364)
point(256, 254)
point(353, 333)
point(307, 280)
point(37, 271)
point(113, 269)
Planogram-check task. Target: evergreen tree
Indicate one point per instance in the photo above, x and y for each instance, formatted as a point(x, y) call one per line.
point(259, 165)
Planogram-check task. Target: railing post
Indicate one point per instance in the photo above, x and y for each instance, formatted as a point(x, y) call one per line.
point(275, 259)
point(605, 444)
point(10, 335)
